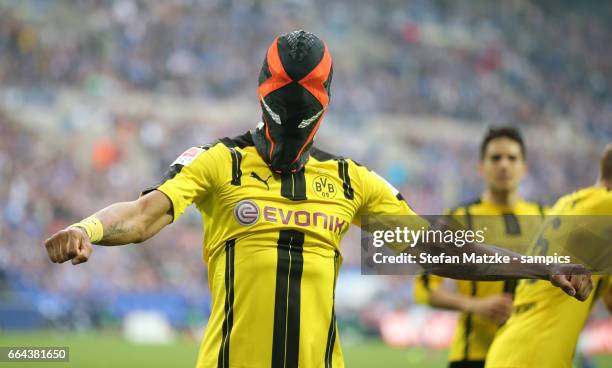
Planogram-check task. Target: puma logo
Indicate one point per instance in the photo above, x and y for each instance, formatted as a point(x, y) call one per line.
point(255, 176)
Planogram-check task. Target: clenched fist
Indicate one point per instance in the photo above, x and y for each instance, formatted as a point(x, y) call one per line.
point(575, 280)
point(69, 244)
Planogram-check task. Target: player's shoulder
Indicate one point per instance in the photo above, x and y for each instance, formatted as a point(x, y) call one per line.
point(219, 151)
point(241, 141)
point(591, 200)
point(527, 207)
point(574, 196)
point(333, 162)
point(606, 201)
point(324, 156)
point(352, 173)
point(600, 195)
point(230, 147)
point(226, 145)
point(464, 207)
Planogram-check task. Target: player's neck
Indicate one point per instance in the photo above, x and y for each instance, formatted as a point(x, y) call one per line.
point(501, 198)
point(606, 183)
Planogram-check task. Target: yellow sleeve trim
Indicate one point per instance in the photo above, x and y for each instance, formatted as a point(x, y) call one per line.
point(173, 199)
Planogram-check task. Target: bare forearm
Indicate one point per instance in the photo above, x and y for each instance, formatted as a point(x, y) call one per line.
point(136, 221)
point(118, 224)
point(441, 298)
point(122, 224)
point(510, 267)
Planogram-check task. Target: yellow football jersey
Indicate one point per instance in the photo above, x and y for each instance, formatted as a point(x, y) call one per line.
point(546, 323)
point(271, 243)
point(506, 227)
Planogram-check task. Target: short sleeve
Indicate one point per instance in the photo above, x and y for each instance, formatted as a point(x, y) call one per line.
point(192, 176)
point(424, 284)
point(379, 197)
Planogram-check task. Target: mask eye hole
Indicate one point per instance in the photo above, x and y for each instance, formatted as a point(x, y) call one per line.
point(307, 122)
point(272, 114)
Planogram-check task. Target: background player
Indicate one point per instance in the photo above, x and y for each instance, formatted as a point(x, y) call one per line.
point(545, 325)
point(510, 220)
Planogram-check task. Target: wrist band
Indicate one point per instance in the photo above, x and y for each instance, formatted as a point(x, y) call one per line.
point(93, 227)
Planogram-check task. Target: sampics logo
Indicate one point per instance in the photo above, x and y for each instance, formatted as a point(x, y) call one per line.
point(246, 212)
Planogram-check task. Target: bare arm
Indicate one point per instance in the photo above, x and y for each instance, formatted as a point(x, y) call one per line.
point(574, 279)
point(136, 221)
point(122, 223)
point(496, 307)
point(446, 299)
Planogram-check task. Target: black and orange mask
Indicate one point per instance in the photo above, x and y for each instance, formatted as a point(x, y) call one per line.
point(294, 94)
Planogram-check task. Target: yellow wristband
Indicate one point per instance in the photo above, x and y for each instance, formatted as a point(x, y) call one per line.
point(93, 227)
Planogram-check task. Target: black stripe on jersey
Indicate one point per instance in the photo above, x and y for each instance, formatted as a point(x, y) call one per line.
point(169, 174)
point(465, 205)
point(228, 321)
point(321, 155)
point(512, 228)
point(343, 172)
point(425, 279)
point(286, 334)
point(244, 140)
point(240, 141)
point(331, 333)
point(228, 142)
point(510, 286)
point(468, 326)
point(468, 218)
point(236, 161)
point(173, 171)
point(293, 185)
point(512, 224)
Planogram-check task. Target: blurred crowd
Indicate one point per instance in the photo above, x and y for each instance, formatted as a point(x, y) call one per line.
point(519, 62)
point(542, 66)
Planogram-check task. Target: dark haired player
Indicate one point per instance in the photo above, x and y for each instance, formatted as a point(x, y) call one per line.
point(510, 220)
point(271, 239)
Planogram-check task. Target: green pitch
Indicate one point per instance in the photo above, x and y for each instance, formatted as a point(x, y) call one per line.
point(109, 350)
